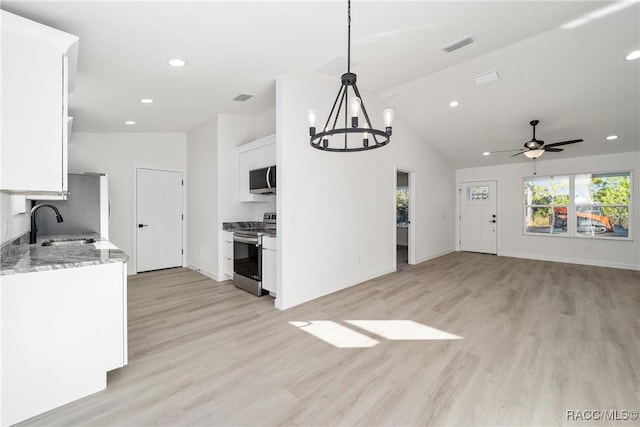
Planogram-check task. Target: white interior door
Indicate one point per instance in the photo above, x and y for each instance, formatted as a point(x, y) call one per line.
point(478, 216)
point(159, 219)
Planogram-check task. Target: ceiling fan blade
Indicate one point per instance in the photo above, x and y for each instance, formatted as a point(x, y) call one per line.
point(554, 150)
point(506, 151)
point(517, 154)
point(556, 144)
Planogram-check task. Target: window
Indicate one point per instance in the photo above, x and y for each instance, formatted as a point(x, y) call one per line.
point(478, 192)
point(546, 203)
point(402, 206)
point(602, 204)
point(586, 205)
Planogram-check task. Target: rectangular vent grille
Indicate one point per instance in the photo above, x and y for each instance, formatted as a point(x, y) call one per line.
point(335, 66)
point(458, 44)
point(242, 97)
point(484, 78)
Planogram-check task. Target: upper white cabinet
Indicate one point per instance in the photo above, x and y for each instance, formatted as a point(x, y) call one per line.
point(255, 155)
point(38, 66)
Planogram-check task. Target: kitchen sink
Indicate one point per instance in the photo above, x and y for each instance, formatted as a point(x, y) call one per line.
point(70, 242)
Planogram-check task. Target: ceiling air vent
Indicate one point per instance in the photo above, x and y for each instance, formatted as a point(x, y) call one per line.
point(335, 66)
point(487, 77)
point(458, 44)
point(242, 97)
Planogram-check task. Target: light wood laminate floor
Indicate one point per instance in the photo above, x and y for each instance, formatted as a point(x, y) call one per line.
point(538, 339)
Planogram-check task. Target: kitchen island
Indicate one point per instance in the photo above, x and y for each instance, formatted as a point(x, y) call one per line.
point(63, 323)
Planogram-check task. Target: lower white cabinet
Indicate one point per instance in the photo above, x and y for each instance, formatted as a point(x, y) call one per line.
point(62, 330)
point(269, 264)
point(227, 254)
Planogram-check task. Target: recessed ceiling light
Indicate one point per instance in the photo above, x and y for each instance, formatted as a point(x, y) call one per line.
point(486, 153)
point(633, 55)
point(147, 101)
point(612, 137)
point(129, 122)
point(454, 104)
point(177, 62)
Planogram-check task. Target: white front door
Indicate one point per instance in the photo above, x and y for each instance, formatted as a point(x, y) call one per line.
point(159, 219)
point(478, 220)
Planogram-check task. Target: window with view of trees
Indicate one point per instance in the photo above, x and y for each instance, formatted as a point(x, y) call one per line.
point(546, 203)
point(602, 204)
point(402, 206)
point(591, 205)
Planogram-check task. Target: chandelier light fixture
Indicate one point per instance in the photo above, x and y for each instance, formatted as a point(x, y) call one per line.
point(370, 138)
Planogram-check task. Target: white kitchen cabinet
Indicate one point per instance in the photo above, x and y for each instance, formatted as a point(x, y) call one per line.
point(37, 62)
point(227, 254)
point(62, 330)
point(269, 265)
point(255, 155)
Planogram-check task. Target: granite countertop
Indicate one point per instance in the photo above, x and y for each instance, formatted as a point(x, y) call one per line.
point(247, 225)
point(25, 258)
point(236, 226)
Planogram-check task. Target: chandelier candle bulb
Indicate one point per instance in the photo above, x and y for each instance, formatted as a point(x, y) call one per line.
point(355, 103)
point(388, 119)
point(312, 122)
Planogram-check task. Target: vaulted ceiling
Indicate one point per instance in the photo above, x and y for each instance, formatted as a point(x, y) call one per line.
point(573, 78)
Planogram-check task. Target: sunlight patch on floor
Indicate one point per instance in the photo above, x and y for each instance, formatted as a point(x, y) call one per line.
point(344, 337)
point(336, 334)
point(403, 330)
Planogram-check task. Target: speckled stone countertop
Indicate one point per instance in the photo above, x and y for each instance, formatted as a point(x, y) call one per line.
point(25, 258)
point(239, 226)
point(236, 226)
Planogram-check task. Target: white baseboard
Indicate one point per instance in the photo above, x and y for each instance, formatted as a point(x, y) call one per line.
point(595, 263)
point(344, 285)
point(210, 274)
point(433, 256)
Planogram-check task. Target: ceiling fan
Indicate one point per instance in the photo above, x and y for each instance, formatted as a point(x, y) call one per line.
point(536, 148)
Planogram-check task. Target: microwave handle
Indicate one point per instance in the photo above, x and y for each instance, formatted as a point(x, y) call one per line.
point(269, 177)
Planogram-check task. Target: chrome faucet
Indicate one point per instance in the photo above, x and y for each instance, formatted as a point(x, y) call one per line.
point(34, 229)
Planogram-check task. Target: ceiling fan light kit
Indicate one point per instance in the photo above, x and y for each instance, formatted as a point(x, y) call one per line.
point(379, 138)
point(534, 154)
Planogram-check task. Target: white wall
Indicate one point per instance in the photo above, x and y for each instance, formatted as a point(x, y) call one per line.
point(118, 154)
point(213, 170)
point(265, 123)
point(202, 198)
point(14, 216)
point(513, 242)
point(336, 219)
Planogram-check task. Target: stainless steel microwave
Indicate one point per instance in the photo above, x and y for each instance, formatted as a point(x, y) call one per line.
point(263, 181)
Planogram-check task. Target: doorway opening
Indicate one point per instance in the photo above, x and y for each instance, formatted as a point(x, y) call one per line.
point(404, 206)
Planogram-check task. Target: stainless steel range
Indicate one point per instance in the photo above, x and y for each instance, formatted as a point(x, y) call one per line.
point(247, 255)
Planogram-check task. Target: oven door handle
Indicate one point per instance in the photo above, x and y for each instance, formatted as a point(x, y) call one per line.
point(245, 240)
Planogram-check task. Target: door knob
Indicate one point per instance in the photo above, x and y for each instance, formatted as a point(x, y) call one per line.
point(493, 220)
point(142, 225)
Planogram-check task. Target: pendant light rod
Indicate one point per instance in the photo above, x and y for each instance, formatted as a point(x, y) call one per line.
point(348, 36)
